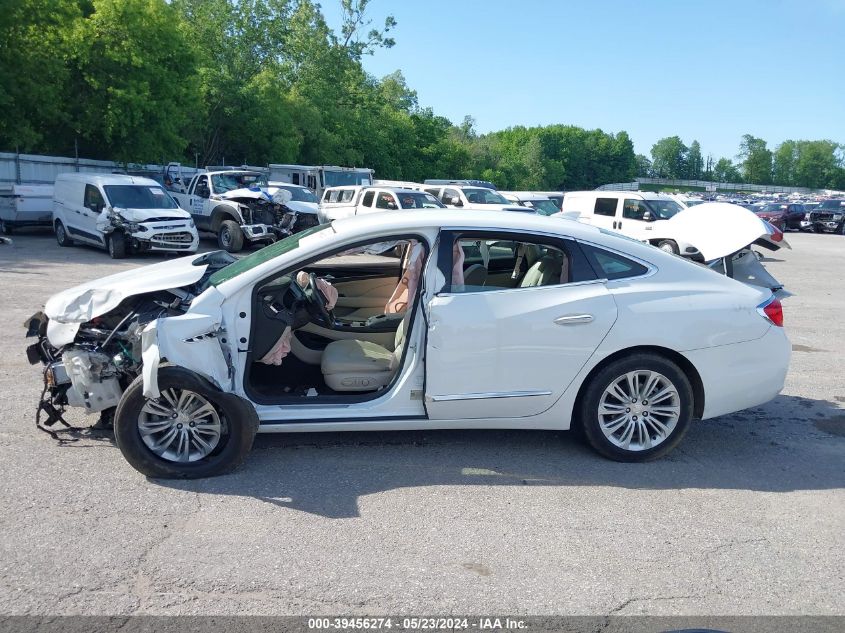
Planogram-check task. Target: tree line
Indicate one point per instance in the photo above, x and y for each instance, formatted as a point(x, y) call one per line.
point(260, 81)
point(815, 164)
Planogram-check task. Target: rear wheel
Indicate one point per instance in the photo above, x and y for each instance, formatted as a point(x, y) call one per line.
point(62, 236)
point(117, 245)
point(190, 431)
point(668, 246)
point(637, 408)
point(230, 237)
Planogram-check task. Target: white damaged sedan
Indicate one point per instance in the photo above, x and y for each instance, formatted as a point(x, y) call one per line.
point(416, 320)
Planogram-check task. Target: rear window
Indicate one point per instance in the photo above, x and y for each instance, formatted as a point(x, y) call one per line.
point(609, 265)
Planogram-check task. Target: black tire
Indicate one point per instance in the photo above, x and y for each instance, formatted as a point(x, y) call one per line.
point(116, 244)
point(589, 409)
point(6, 227)
point(669, 246)
point(230, 237)
point(241, 422)
point(62, 236)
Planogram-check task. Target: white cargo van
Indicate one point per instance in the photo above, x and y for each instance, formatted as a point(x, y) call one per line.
point(120, 213)
point(637, 214)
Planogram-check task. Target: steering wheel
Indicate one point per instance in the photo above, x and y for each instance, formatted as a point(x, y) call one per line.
point(315, 301)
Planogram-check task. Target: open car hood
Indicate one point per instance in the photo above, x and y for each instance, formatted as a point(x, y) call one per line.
point(720, 229)
point(86, 301)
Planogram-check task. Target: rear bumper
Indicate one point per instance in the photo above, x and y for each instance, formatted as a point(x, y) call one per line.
point(742, 375)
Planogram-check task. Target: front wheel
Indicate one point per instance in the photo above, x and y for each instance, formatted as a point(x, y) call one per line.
point(190, 431)
point(668, 246)
point(230, 237)
point(637, 408)
point(117, 245)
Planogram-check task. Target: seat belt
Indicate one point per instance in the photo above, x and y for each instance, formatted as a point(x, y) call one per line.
point(520, 255)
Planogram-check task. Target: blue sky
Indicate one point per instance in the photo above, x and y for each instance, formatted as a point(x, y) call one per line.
point(711, 71)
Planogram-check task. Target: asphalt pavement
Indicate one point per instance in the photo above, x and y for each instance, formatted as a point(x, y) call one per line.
point(746, 517)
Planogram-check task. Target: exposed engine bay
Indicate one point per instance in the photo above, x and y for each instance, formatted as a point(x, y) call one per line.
point(105, 355)
point(260, 207)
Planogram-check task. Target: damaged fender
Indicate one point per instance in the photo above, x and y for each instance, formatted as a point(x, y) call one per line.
point(190, 341)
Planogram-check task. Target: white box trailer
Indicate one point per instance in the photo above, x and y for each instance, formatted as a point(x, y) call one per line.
point(25, 205)
point(318, 177)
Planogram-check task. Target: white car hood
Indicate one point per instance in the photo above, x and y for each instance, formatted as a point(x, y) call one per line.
point(719, 229)
point(144, 215)
point(303, 207)
point(86, 301)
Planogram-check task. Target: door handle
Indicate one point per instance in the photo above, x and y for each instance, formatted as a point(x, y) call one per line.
point(574, 319)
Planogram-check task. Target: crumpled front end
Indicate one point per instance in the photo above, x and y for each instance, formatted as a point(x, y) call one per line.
point(268, 213)
point(93, 340)
point(146, 231)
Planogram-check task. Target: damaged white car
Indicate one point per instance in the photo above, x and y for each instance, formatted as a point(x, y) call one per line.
point(418, 320)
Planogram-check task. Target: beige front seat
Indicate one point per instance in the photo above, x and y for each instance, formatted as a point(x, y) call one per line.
point(352, 365)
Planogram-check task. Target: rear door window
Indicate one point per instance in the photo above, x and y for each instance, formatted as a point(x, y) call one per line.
point(605, 206)
point(368, 199)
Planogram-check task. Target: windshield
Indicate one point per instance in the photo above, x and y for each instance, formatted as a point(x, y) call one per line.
point(264, 255)
point(419, 201)
point(663, 209)
point(480, 195)
point(299, 194)
point(340, 178)
point(832, 204)
point(237, 180)
point(543, 207)
point(139, 197)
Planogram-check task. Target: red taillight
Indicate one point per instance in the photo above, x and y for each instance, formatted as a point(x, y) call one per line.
point(772, 311)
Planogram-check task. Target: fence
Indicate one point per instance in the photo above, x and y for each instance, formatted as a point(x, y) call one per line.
point(35, 169)
point(707, 185)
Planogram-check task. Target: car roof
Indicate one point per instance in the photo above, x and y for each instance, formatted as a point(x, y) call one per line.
point(108, 179)
point(459, 218)
point(524, 195)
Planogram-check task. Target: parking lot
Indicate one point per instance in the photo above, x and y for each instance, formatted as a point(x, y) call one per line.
point(745, 517)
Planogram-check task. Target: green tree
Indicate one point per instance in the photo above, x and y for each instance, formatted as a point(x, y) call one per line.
point(783, 163)
point(35, 44)
point(132, 97)
point(725, 171)
point(756, 160)
point(644, 168)
point(816, 164)
point(695, 162)
point(669, 158)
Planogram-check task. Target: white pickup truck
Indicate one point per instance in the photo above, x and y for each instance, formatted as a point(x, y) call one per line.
point(239, 206)
point(344, 202)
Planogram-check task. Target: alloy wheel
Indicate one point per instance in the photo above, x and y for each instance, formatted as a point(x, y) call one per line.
point(180, 426)
point(639, 410)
